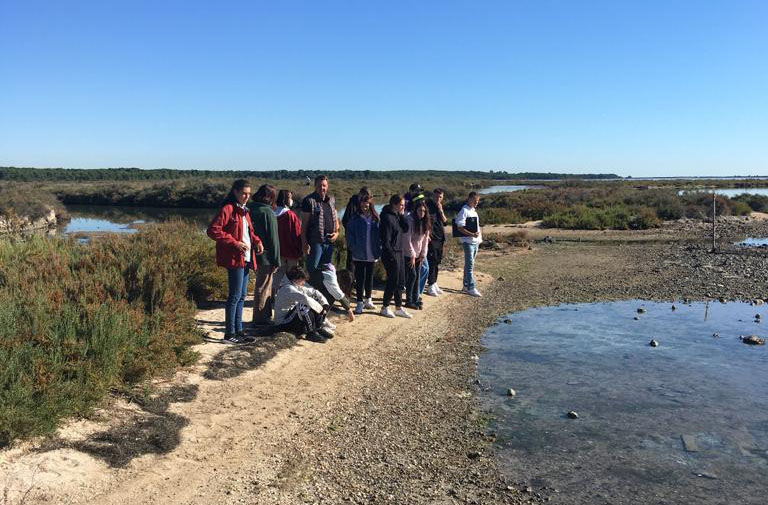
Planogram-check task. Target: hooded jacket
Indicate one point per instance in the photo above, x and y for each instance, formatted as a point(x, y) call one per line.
point(265, 226)
point(289, 233)
point(392, 227)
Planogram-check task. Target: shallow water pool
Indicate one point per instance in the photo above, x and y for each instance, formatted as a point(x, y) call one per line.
point(684, 422)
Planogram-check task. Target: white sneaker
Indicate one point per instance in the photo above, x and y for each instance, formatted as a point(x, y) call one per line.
point(402, 313)
point(359, 308)
point(432, 291)
point(471, 292)
point(386, 312)
point(369, 304)
point(437, 288)
point(329, 325)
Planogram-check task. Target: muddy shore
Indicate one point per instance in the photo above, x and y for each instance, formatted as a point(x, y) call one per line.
point(384, 413)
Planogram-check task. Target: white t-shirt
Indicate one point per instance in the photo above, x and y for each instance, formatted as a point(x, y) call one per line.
point(461, 221)
point(246, 238)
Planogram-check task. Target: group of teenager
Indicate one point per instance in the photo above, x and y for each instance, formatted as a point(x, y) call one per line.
point(269, 238)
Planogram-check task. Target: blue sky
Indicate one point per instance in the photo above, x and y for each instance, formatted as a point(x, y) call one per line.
point(640, 88)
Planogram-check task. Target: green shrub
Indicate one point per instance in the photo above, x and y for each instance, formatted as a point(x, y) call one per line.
point(758, 203)
point(77, 320)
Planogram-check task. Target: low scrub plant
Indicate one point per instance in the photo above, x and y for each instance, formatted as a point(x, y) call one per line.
point(78, 320)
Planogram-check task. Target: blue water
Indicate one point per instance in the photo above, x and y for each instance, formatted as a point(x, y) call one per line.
point(754, 242)
point(502, 189)
point(91, 225)
point(729, 192)
point(634, 402)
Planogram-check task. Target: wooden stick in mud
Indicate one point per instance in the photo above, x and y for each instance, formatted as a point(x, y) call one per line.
point(714, 221)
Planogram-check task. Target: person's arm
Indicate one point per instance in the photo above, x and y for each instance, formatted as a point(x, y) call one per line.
point(216, 228)
point(306, 215)
point(424, 246)
point(274, 251)
point(440, 214)
point(256, 244)
point(385, 233)
point(335, 233)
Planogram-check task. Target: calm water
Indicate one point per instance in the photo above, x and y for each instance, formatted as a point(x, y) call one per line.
point(754, 242)
point(87, 219)
point(730, 192)
point(502, 189)
point(635, 402)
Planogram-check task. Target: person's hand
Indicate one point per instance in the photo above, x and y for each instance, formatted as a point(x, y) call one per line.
point(259, 248)
point(350, 315)
point(412, 263)
point(242, 246)
point(274, 268)
point(333, 236)
point(420, 260)
point(306, 249)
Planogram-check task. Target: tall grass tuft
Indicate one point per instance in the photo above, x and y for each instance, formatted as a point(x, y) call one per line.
point(77, 320)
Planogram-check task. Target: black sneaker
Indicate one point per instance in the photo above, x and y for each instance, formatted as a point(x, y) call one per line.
point(315, 337)
point(243, 338)
point(233, 339)
point(411, 306)
point(325, 333)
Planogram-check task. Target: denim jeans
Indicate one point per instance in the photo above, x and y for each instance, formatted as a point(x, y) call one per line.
point(319, 254)
point(470, 251)
point(238, 288)
point(423, 274)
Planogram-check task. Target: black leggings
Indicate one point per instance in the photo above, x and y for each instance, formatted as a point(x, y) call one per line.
point(435, 257)
point(411, 282)
point(363, 279)
point(395, 277)
point(302, 320)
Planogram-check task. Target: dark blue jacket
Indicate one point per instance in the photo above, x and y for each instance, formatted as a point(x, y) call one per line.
point(356, 234)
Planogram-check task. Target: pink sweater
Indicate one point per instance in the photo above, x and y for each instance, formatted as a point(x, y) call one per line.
point(415, 243)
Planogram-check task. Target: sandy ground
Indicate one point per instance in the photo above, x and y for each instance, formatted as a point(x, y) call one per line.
point(238, 442)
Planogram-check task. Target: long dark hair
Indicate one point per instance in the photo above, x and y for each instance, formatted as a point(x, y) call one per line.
point(367, 198)
point(267, 194)
point(283, 196)
point(238, 185)
point(423, 225)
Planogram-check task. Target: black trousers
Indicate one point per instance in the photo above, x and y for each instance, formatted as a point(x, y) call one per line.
point(363, 279)
point(411, 282)
point(301, 320)
point(435, 257)
point(394, 266)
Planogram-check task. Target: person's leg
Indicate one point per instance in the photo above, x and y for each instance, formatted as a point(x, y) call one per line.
point(411, 282)
point(327, 253)
point(359, 280)
point(241, 300)
point(314, 257)
point(368, 281)
point(235, 289)
point(432, 271)
point(423, 274)
point(400, 262)
point(468, 265)
point(390, 265)
point(262, 306)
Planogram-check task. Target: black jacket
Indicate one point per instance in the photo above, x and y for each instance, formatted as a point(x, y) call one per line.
point(391, 227)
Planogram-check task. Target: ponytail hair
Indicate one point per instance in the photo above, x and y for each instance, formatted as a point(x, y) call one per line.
point(238, 185)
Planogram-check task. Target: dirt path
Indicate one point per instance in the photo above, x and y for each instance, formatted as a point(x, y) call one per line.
point(242, 438)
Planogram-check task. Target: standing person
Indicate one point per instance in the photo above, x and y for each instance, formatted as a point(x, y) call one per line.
point(392, 228)
point(265, 226)
point(237, 247)
point(415, 192)
point(415, 251)
point(468, 224)
point(437, 240)
point(353, 205)
point(364, 241)
point(319, 225)
point(289, 234)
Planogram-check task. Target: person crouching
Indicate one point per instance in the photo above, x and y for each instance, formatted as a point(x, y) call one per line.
point(301, 309)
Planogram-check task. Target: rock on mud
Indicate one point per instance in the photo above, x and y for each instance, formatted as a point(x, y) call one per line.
point(653, 343)
point(752, 340)
point(573, 415)
point(511, 392)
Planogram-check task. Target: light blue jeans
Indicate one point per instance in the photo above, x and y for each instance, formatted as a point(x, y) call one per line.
point(319, 254)
point(470, 251)
point(423, 274)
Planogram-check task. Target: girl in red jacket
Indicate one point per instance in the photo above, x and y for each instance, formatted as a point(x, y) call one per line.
point(236, 250)
point(289, 232)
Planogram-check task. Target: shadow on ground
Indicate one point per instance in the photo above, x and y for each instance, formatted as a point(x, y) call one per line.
point(235, 360)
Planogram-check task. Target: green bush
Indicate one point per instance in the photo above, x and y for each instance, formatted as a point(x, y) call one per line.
point(757, 203)
point(77, 320)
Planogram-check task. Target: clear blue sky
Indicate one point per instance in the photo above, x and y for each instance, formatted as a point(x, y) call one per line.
point(636, 88)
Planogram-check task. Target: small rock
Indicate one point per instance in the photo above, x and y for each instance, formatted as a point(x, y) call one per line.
point(705, 475)
point(673, 307)
point(636, 318)
point(501, 279)
point(475, 357)
point(507, 321)
point(715, 335)
point(722, 299)
point(573, 415)
point(528, 489)
point(758, 316)
point(758, 301)
point(752, 340)
point(641, 310)
point(511, 392)
point(653, 343)
point(473, 454)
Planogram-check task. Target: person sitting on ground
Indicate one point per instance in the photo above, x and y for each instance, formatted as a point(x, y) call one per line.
point(324, 280)
point(301, 309)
